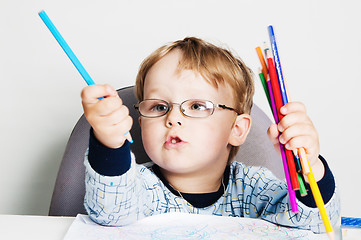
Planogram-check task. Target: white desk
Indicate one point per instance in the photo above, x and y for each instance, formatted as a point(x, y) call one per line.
point(16, 227)
point(34, 227)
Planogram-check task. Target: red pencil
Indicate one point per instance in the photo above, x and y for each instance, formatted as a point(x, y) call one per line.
point(279, 104)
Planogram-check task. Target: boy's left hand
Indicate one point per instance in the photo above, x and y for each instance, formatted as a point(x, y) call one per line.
point(296, 130)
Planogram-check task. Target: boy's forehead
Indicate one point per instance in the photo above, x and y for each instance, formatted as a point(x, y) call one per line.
point(170, 67)
point(170, 62)
point(167, 75)
point(188, 85)
point(177, 80)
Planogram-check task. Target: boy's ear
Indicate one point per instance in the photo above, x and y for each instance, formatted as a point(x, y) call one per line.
point(240, 130)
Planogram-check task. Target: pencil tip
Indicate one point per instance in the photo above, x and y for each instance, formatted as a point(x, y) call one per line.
point(268, 54)
point(331, 235)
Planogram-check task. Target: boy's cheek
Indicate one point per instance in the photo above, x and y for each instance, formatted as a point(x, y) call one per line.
point(153, 133)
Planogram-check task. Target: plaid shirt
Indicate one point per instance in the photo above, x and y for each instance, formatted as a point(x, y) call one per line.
point(252, 192)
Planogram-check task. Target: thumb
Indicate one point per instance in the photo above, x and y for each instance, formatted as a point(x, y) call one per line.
point(273, 133)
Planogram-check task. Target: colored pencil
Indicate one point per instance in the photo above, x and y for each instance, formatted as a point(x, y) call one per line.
point(301, 181)
point(272, 99)
point(264, 84)
point(295, 154)
point(279, 104)
point(319, 201)
point(66, 48)
point(303, 191)
point(291, 192)
point(54, 31)
point(300, 178)
point(265, 48)
point(262, 60)
point(314, 187)
point(302, 154)
point(283, 92)
point(275, 116)
point(297, 162)
point(277, 63)
point(281, 80)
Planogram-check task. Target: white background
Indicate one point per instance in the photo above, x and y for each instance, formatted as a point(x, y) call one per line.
point(320, 50)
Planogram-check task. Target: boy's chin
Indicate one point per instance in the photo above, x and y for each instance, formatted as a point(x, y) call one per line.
point(188, 165)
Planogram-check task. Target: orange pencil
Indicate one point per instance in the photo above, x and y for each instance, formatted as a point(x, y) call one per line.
point(263, 62)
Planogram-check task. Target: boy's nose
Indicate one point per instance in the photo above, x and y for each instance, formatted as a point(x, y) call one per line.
point(174, 116)
point(170, 124)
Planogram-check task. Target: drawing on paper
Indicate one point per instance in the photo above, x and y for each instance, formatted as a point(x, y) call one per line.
point(174, 226)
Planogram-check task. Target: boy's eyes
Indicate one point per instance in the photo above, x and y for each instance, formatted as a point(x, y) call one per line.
point(198, 106)
point(159, 107)
point(188, 107)
point(193, 106)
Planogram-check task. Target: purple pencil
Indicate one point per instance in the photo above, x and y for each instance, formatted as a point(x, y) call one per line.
point(291, 192)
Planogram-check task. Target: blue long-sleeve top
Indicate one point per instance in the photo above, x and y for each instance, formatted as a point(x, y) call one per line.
point(119, 191)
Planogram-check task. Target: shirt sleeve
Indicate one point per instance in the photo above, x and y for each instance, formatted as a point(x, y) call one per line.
point(326, 185)
point(265, 196)
point(107, 161)
point(113, 200)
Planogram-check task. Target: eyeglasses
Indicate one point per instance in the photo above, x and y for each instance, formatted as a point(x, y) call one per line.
point(194, 108)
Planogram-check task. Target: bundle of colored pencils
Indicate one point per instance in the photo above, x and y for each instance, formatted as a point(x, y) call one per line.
point(295, 163)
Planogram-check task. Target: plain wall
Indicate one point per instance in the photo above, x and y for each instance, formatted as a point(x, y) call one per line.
point(320, 50)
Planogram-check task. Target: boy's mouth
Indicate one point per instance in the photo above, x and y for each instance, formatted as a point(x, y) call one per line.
point(173, 141)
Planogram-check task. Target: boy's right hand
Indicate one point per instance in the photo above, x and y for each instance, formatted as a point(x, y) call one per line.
point(109, 117)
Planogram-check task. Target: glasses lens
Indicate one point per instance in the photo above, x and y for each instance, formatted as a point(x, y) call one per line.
point(153, 108)
point(197, 108)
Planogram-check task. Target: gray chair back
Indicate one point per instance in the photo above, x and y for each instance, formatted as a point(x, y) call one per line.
point(69, 190)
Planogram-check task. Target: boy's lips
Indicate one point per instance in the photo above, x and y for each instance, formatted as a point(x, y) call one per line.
point(173, 141)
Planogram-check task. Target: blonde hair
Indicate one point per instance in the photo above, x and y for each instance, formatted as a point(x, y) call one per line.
point(216, 65)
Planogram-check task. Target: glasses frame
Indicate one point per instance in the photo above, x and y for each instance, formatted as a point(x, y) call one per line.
point(170, 107)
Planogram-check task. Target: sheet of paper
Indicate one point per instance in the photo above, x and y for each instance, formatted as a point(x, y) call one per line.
point(351, 233)
point(187, 226)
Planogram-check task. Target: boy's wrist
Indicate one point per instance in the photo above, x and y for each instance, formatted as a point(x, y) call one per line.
point(326, 185)
point(318, 169)
point(106, 142)
point(108, 161)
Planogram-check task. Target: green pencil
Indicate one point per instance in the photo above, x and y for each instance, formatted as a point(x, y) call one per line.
point(303, 191)
point(264, 84)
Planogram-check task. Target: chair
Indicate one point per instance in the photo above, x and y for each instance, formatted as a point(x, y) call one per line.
point(69, 190)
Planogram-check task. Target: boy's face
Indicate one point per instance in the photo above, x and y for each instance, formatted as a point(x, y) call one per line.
point(177, 143)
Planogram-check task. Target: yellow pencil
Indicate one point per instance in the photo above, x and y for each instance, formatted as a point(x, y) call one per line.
point(318, 199)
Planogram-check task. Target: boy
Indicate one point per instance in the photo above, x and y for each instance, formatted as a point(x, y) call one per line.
point(194, 104)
